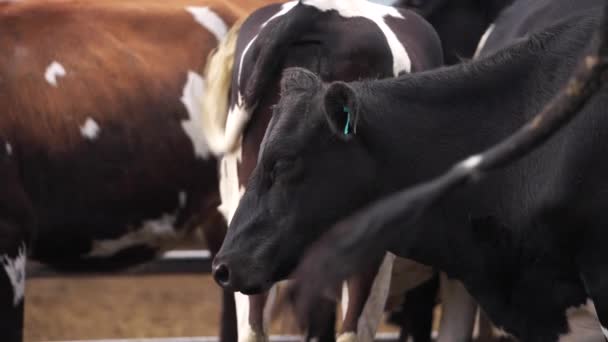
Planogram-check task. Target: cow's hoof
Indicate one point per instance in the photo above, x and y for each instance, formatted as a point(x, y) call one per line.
point(347, 337)
point(252, 336)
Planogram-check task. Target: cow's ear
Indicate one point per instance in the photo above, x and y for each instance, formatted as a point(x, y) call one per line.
point(342, 109)
point(298, 79)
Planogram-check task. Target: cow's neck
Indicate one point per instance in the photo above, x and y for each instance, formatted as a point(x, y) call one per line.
point(421, 124)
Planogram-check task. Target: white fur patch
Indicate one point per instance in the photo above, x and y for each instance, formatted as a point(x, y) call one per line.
point(53, 71)
point(15, 270)
point(604, 331)
point(230, 189)
point(8, 148)
point(152, 233)
point(191, 98)
point(182, 198)
point(471, 162)
point(209, 20)
point(237, 119)
point(583, 324)
point(90, 129)
point(483, 40)
point(500, 332)
point(375, 13)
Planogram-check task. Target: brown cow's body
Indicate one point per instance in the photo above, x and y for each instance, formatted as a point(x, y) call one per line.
point(102, 161)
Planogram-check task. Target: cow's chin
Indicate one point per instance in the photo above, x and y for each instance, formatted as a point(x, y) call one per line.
point(255, 285)
point(264, 286)
point(256, 289)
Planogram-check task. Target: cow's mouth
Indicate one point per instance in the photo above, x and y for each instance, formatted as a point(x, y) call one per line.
point(253, 290)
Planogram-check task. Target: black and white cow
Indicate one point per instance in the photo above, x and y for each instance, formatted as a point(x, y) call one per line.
point(527, 242)
point(338, 41)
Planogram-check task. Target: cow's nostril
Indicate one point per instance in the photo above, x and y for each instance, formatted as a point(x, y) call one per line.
point(221, 273)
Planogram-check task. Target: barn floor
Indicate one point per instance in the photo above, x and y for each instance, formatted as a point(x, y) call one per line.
point(126, 307)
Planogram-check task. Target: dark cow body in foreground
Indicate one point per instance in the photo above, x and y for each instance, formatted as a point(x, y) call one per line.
point(102, 164)
point(527, 241)
point(337, 40)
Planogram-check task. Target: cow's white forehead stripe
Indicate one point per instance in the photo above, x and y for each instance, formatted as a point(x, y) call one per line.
point(15, 270)
point(209, 20)
point(286, 7)
point(53, 72)
point(8, 148)
point(375, 13)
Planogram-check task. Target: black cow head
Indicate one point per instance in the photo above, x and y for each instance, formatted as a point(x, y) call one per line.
point(311, 159)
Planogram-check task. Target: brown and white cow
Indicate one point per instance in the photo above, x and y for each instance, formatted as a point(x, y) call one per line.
point(102, 161)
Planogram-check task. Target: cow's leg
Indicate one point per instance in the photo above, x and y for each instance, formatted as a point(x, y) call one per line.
point(458, 311)
point(250, 309)
point(256, 321)
point(408, 275)
point(417, 312)
point(322, 327)
point(16, 225)
point(365, 320)
point(215, 231)
point(594, 273)
point(358, 287)
point(12, 282)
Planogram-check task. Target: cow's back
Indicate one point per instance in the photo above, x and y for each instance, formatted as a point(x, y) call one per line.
point(524, 18)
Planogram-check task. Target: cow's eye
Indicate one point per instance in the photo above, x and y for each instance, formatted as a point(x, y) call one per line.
point(282, 169)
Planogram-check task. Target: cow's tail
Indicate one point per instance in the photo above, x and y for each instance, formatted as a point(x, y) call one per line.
point(218, 77)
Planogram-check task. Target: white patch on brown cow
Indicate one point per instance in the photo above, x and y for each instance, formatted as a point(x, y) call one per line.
point(375, 13)
point(8, 148)
point(154, 233)
point(191, 98)
point(15, 270)
point(53, 72)
point(209, 20)
point(157, 233)
point(90, 129)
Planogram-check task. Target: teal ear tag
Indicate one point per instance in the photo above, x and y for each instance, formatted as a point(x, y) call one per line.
point(346, 127)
